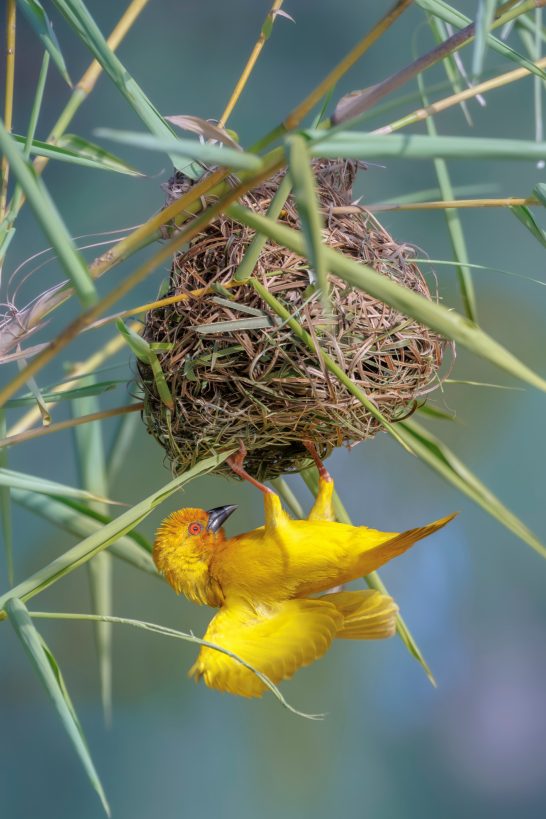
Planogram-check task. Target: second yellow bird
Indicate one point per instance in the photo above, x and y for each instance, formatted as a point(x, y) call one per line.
point(263, 582)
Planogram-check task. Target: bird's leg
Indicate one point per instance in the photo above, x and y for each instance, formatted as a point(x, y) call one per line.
point(323, 507)
point(236, 463)
point(273, 511)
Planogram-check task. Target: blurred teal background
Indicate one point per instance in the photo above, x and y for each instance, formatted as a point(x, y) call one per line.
point(390, 745)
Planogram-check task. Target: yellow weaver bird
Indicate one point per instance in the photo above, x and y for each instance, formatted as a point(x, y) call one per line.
point(264, 582)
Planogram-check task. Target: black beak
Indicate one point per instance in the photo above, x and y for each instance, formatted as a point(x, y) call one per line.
point(218, 516)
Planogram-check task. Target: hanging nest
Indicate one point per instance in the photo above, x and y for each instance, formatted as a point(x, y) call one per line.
point(252, 380)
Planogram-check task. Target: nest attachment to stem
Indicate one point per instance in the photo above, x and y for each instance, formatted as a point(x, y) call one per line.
point(237, 372)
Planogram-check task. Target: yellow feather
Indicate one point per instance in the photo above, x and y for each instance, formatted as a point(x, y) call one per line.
point(264, 582)
point(367, 615)
point(276, 640)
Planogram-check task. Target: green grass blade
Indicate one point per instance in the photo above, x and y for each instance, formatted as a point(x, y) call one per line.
point(473, 266)
point(434, 412)
point(484, 19)
point(437, 455)
point(451, 15)
point(38, 19)
point(54, 397)
point(453, 71)
point(237, 325)
point(540, 192)
point(145, 352)
point(36, 393)
point(454, 224)
point(78, 151)
point(83, 23)
point(307, 203)
point(91, 462)
point(79, 555)
point(310, 476)
point(123, 441)
point(96, 156)
point(200, 151)
point(252, 253)
point(179, 635)
point(81, 521)
point(355, 145)
point(37, 104)
point(50, 221)
point(527, 219)
point(5, 506)
point(43, 486)
point(48, 670)
point(33, 122)
point(447, 322)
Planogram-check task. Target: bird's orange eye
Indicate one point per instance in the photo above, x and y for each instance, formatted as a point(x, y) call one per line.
point(195, 528)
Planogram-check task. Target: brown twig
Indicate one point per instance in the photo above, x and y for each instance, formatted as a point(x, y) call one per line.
point(38, 432)
point(352, 105)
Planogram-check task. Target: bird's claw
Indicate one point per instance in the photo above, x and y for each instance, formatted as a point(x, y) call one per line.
point(236, 461)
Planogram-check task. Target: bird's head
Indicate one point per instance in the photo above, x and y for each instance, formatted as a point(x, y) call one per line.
point(187, 533)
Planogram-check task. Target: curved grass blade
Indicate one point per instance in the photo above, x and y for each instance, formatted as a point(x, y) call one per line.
point(435, 412)
point(86, 28)
point(54, 397)
point(439, 318)
point(43, 486)
point(94, 544)
point(437, 455)
point(78, 151)
point(451, 15)
point(38, 19)
point(540, 192)
point(81, 521)
point(524, 215)
point(180, 635)
point(200, 151)
point(146, 353)
point(51, 677)
point(50, 221)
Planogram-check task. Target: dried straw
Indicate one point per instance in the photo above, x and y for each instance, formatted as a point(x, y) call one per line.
point(263, 386)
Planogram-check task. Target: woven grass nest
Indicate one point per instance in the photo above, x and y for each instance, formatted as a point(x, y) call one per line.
point(262, 385)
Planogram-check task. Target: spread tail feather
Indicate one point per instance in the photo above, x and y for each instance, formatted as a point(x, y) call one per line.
point(380, 554)
point(367, 614)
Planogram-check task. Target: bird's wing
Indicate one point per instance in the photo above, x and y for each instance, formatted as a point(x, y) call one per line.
point(275, 639)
